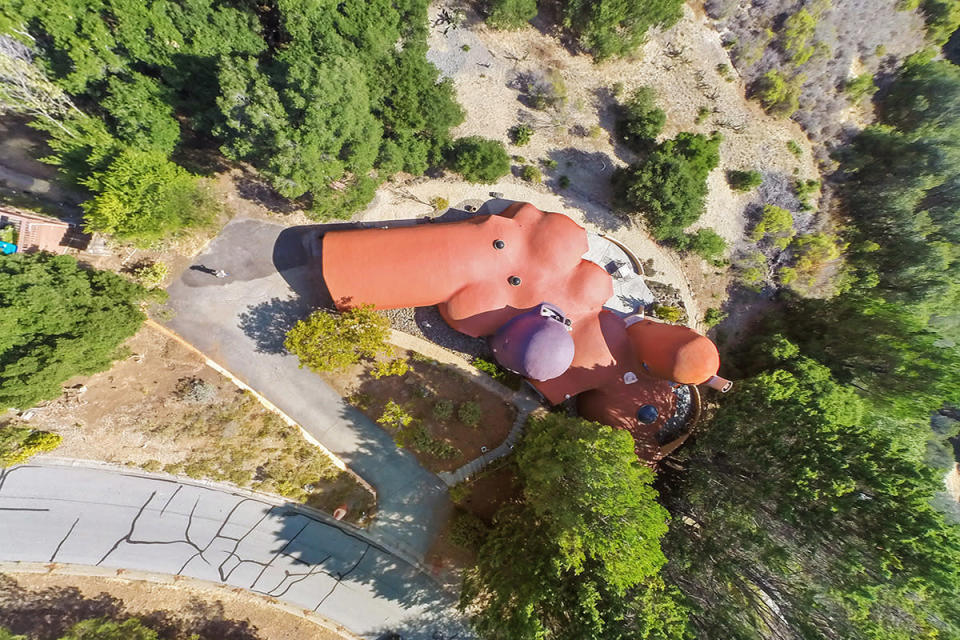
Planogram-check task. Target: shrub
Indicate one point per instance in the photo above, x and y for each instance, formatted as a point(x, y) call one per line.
point(794, 148)
point(797, 32)
point(702, 114)
point(328, 341)
point(459, 492)
point(194, 390)
point(520, 134)
point(779, 94)
point(105, 629)
point(19, 444)
point(723, 70)
point(549, 163)
point(151, 274)
point(639, 119)
point(467, 530)
point(616, 89)
point(480, 160)
point(669, 313)
point(713, 317)
point(469, 413)
point(393, 367)
point(811, 253)
point(744, 180)
point(498, 373)
point(860, 86)
point(443, 410)
point(595, 132)
point(531, 174)
point(543, 90)
point(707, 244)
point(394, 416)
point(142, 196)
point(439, 203)
point(563, 182)
point(616, 28)
point(670, 186)
point(775, 222)
point(804, 189)
point(511, 14)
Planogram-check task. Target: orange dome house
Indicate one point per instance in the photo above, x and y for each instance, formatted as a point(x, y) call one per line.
point(630, 373)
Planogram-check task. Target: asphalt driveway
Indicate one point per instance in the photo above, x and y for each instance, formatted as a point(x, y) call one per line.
point(239, 321)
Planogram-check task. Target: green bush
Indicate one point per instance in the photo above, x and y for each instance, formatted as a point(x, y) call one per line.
point(713, 317)
point(142, 196)
point(639, 119)
point(480, 160)
point(804, 190)
point(443, 410)
point(775, 222)
point(859, 87)
point(723, 70)
point(531, 174)
point(59, 320)
point(669, 188)
point(794, 148)
point(511, 14)
point(707, 244)
point(744, 180)
point(778, 93)
point(327, 341)
point(520, 134)
point(470, 413)
point(151, 274)
point(392, 367)
point(563, 182)
point(395, 416)
point(797, 32)
point(105, 629)
point(19, 444)
point(702, 114)
point(669, 313)
point(467, 530)
point(607, 28)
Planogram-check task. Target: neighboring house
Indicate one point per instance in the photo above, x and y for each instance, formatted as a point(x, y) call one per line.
point(37, 232)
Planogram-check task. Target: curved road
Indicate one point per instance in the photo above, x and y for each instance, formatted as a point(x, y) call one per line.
point(106, 518)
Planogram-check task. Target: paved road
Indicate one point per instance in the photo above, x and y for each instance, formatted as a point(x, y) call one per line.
point(240, 321)
point(51, 513)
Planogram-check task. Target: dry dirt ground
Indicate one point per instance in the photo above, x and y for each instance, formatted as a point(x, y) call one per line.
point(418, 392)
point(45, 605)
point(132, 414)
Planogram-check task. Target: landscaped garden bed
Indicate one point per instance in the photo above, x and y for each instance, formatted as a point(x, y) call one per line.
point(445, 419)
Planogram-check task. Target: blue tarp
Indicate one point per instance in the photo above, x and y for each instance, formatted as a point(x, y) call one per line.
point(6, 248)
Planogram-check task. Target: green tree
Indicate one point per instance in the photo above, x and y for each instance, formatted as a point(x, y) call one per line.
point(670, 186)
point(588, 531)
point(479, 159)
point(778, 93)
point(511, 14)
point(105, 629)
point(141, 114)
point(142, 196)
point(327, 341)
point(707, 243)
point(608, 28)
point(804, 517)
point(58, 320)
point(640, 119)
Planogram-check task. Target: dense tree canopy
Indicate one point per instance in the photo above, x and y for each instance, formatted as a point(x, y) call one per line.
point(325, 101)
point(58, 320)
point(479, 159)
point(588, 534)
point(608, 28)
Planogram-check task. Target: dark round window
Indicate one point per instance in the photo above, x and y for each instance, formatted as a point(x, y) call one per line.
point(647, 414)
point(499, 244)
point(514, 280)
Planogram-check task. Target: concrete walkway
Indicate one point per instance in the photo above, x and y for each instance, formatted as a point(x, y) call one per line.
point(100, 518)
point(240, 321)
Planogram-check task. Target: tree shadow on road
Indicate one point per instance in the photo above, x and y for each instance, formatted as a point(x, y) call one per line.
point(47, 614)
point(267, 323)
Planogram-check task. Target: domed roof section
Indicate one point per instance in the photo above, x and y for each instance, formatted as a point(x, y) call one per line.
point(673, 352)
point(535, 344)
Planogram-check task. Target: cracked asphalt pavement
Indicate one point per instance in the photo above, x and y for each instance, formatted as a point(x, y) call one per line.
point(100, 517)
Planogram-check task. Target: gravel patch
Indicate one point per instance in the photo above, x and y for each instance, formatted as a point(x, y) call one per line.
point(428, 324)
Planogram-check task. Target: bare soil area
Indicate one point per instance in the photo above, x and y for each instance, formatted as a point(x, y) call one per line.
point(46, 605)
point(450, 442)
point(162, 408)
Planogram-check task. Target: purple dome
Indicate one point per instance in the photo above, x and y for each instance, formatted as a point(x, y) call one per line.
point(536, 344)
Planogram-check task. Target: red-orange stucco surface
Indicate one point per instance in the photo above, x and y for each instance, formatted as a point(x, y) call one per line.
point(469, 269)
